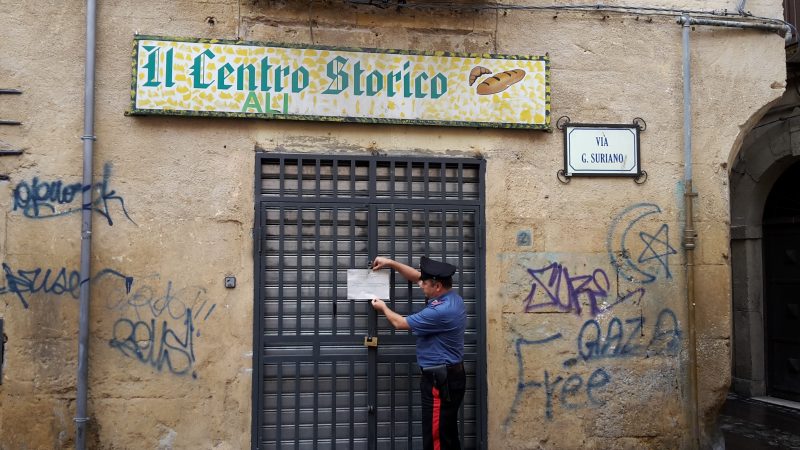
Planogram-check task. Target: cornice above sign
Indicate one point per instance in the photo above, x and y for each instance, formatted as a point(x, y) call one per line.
point(280, 81)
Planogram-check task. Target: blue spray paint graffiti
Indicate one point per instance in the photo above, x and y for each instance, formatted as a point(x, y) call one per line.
point(593, 344)
point(148, 301)
point(158, 324)
point(157, 346)
point(40, 199)
point(163, 330)
point(28, 282)
point(575, 390)
point(653, 259)
point(569, 389)
point(24, 283)
point(557, 288)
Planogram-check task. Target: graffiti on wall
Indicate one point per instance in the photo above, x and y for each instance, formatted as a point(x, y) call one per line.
point(40, 199)
point(640, 249)
point(553, 286)
point(614, 326)
point(158, 324)
point(579, 384)
point(60, 281)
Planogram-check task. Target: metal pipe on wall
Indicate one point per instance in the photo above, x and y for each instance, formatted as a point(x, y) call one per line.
point(737, 24)
point(689, 232)
point(86, 228)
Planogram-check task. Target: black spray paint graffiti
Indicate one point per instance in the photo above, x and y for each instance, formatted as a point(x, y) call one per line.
point(553, 286)
point(639, 250)
point(41, 199)
point(24, 283)
point(160, 326)
point(575, 390)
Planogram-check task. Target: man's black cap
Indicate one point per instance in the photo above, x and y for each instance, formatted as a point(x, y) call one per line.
point(435, 270)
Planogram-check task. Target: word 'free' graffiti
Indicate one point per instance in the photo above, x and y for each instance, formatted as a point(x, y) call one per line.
point(569, 388)
point(553, 286)
point(40, 199)
point(159, 324)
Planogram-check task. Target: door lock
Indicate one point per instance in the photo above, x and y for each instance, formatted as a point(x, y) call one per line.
point(370, 341)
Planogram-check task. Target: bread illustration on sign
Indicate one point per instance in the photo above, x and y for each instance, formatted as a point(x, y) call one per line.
point(476, 73)
point(499, 82)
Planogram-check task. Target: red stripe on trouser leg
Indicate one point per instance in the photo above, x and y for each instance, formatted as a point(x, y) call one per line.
point(437, 411)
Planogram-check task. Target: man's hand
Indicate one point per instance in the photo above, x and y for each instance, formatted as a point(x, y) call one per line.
point(381, 263)
point(378, 304)
point(398, 322)
point(409, 273)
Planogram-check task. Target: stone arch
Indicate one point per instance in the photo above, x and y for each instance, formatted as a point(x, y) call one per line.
point(766, 153)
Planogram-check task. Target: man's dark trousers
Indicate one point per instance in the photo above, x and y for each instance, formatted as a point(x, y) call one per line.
point(440, 413)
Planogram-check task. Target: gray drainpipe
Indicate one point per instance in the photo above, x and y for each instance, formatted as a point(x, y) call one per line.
point(81, 416)
point(689, 233)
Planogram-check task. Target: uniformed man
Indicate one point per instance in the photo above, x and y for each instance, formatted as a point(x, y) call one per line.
point(439, 328)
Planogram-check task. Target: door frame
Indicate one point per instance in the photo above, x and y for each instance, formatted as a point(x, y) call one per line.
point(765, 155)
point(481, 384)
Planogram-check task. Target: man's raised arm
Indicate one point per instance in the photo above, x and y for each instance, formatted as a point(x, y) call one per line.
point(409, 273)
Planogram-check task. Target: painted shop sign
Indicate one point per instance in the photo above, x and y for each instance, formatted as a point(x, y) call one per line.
point(611, 150)
point(282, 81)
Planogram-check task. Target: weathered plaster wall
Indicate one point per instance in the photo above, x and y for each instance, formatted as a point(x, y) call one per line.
point(571, 364)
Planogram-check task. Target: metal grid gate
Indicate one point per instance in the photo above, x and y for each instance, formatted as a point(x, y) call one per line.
point(315, 384)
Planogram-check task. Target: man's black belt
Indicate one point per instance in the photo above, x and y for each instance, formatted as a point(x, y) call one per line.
point(451, 368)
point(439, 375)
point(457, 367)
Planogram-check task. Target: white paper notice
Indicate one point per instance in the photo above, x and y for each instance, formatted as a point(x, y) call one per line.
point(363, 284)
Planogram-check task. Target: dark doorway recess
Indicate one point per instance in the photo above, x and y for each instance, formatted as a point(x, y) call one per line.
point(782, 285)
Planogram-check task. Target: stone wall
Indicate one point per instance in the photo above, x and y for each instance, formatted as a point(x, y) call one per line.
point(585, 286)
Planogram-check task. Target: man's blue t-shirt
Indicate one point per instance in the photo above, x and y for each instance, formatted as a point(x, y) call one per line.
point(440, 330)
